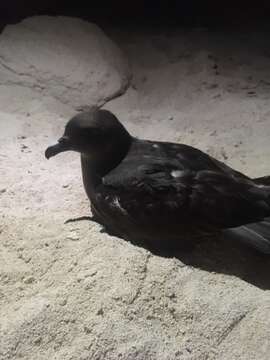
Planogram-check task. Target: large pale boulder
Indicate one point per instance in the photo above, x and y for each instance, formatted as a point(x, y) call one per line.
point(67, 58)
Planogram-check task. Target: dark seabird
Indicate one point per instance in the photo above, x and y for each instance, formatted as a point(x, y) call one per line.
point(161, 191)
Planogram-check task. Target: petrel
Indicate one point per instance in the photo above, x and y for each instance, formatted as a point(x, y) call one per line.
point(161, 191)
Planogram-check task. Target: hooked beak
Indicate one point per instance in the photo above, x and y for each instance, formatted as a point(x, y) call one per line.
point(63, 144)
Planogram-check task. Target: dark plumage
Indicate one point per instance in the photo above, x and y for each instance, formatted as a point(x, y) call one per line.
point(161, 191)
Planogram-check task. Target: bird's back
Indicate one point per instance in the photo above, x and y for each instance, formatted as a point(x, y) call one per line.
point(180, 156)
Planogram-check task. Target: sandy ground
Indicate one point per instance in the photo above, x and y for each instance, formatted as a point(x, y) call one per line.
point(68, 291)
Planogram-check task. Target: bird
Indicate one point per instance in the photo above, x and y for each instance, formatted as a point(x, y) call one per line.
point(163, 192)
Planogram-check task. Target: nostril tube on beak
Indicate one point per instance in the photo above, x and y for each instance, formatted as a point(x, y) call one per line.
point(63, 140)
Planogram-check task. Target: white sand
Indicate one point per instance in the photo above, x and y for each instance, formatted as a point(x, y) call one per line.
point(68, 291)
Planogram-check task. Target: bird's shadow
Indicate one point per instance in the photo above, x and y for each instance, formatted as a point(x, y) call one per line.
point(221, 255)
point(224, 256)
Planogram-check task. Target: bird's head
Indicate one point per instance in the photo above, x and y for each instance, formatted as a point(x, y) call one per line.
point(95, 134)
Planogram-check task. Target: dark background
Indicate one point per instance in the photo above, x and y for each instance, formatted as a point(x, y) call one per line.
point(200, 13)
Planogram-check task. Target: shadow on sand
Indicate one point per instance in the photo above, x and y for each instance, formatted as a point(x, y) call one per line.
point(221, 255)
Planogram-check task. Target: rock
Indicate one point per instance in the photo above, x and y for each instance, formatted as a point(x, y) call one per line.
point(66, 58)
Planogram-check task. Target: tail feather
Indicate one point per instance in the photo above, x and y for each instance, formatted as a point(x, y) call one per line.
point(263, 180)
point(256, 235)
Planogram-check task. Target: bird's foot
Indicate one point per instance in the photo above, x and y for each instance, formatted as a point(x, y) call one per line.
point(81, 218)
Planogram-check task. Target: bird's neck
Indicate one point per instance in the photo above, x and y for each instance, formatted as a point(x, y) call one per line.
point(95, 168)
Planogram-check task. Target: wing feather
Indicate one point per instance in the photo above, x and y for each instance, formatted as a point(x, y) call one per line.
point(152, 192)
